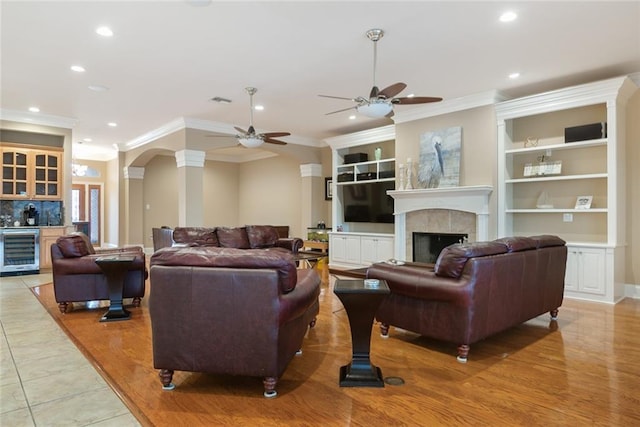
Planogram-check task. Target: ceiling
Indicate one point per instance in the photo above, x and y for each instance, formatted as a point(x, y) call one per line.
point(167, 59)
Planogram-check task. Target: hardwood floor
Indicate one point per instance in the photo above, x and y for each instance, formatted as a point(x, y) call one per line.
point(584, 372)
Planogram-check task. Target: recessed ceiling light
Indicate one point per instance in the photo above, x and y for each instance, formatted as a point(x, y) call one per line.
point(78, 68)
point(514, 75)
point(259, 107)
point(411, 95)
point(104, 31)
point(34, 109)
point(98, 88)
point(352, 117)
point(112, 124)
point(87, 139)
point(508, 16)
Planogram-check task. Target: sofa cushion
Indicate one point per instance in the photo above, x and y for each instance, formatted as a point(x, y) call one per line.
point(195, 236)
point(235, 237)
point(453, 258)
point(72, 246)
point(547, 240)
point(261, 236)
point(517, 244)
point(231, 258)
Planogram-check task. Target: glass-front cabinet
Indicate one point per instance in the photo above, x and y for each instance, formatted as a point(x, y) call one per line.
point(31, 174)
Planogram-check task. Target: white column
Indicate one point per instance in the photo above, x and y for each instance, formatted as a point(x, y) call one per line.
point(190, 187)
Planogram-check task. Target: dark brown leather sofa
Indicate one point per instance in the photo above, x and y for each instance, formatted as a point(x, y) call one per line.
point(247, 237)
point(229, 311)
point(77, 277)
point(475, 289)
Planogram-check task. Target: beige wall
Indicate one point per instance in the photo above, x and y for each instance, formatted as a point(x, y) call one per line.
point(269, 193)
point(221, 194)
point(478, 157)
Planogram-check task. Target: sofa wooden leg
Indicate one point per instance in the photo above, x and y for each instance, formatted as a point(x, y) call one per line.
point(270, 387)
point(63, 307)
point(166, 375)
point(463, 352)
point(313, 323)
point(384, 330)
point(554, 314)
point(136, 301)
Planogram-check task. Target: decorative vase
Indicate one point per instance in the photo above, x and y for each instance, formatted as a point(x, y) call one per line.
point(401, 175)
point(408, 184)
point(378, 153)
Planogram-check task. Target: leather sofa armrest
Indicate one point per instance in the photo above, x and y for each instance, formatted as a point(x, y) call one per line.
point(296, 302)
point(422, 283)
point(294, 244)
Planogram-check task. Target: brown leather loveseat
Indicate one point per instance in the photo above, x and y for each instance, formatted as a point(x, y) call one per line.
point(475, 289)
point(77, 277)
point(229, 311)
point(247, 237)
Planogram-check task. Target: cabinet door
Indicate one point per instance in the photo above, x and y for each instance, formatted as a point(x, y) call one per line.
point(571, 273)
point(592, 271)
point(376, 249)
point(47, 237)
point(15, 173)
point(338, 250)
point(46, 179)
point(353, 249)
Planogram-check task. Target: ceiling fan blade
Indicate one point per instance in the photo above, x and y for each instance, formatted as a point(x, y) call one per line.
point(242, 131)
point(338, 97)
point(274, 141)
point(275, 134)
point(374, 92)
point(393, 90)
point(415, 100)
point(340, 111)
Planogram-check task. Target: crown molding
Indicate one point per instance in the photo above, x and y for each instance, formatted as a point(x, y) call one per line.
point(249, 157)
point(205, 125)
point(449, 106)
point(385, 133)
point(38, 118)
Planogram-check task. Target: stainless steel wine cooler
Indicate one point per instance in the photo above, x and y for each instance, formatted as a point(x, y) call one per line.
point(19, 251)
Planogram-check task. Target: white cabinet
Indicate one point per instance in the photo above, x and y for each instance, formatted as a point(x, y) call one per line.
point(375, 249)
point(354, 250)
point(344, 249)
point(531, 132)
point(586, 271)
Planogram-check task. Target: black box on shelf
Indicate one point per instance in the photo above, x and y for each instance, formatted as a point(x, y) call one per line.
point(355, 158)
point(345, 177)
point(387, 174)
point(365, 176)
point(585, 132)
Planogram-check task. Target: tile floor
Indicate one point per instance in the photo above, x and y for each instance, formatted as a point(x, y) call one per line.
point(44, 379)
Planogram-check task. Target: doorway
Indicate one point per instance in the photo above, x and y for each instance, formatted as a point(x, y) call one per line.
point(86, 209)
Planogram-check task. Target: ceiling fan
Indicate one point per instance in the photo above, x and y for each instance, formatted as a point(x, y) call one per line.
point(380, 102)
point(249, 138)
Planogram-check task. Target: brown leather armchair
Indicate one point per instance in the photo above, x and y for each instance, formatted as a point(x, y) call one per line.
point(77, 277)
point(229, 311)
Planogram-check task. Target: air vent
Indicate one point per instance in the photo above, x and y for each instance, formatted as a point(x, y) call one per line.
point(220, 100)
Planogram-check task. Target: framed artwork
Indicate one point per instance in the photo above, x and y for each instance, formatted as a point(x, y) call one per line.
point(583, 202)
point(328, 191)
point(440, 158)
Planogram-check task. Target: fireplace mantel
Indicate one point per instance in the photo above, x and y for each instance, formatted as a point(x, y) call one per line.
point(473, 199)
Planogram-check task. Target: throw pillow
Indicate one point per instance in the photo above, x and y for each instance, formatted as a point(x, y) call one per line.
point(72, 246)
point(262, 236)
point(235, 237)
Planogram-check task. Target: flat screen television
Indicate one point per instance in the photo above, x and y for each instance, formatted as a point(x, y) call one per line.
point(368, 202)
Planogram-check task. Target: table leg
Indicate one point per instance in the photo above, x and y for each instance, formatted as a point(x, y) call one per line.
point(115, 275)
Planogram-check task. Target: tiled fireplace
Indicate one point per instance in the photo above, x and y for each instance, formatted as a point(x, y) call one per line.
point(462, 210)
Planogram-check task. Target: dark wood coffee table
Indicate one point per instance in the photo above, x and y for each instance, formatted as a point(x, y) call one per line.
point(361, 303)
point(115, 268)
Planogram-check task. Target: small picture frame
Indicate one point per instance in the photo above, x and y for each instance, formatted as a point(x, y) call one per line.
point(328, 189)
point(583, 202)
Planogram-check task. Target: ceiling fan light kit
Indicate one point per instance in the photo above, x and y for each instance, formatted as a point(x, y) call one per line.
point(380, 102)
point(250, 142)
point(375, 110)
point(249, 138)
